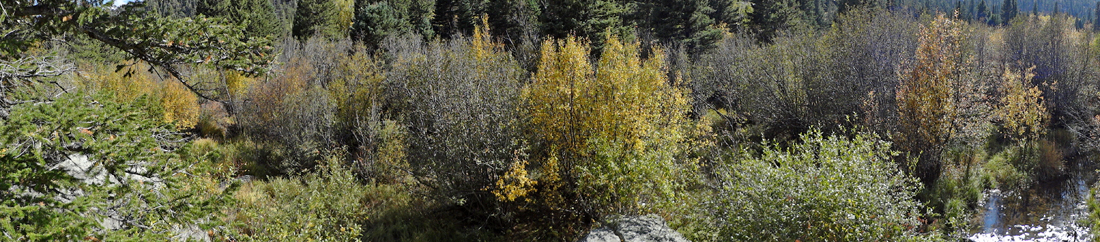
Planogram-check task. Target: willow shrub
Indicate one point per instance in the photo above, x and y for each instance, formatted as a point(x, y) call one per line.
point(458, 102)
point(826, 188)
point(291, 115)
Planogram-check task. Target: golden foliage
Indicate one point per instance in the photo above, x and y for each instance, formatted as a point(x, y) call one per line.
point(1022, 111)
point(628, 100)
point(515, 183)
point(237, 83)
point(926, 95)
point(390, 165)
point(181, 106)
point(611, 131)
point(271, 96)
point(125, 88)
point(214, 120)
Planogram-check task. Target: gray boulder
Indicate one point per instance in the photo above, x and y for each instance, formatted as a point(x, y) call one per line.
point(634, 229)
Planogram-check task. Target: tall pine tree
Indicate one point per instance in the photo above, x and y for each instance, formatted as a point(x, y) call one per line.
point(768, 17)
point(687, 22)
point(589, 19)
point(255, 15)
point(1009, 11)
point(982, 12)
point(376, 19)
point(316, 17)
point(1096, 20)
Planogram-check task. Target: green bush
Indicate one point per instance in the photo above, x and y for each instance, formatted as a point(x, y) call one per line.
point(327, 205)
point(330, 204)
point(1003, 169)
point(958, 189)
point(826, 188)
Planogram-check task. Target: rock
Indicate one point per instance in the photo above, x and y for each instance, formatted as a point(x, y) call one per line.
point(634, 229)
point(190, 233)
point(601, 234)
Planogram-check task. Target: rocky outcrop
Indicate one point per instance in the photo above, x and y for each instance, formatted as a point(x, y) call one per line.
point(634, 229)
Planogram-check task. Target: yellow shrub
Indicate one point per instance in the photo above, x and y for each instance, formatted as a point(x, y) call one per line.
point(612, 133)
point(181, 106)
point(237, 83)
point(357, 87)
point(125, 88)
point(178, 104)
point(1022, 111)
point(927, 106)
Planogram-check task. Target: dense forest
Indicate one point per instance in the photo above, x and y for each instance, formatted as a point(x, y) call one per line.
point(539, 120)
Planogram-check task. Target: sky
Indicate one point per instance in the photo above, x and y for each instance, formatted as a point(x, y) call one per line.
point(121, 2)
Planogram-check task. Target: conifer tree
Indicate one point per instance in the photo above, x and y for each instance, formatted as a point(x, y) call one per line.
point(255, 15)
point(1035, 7)
point(685, 21)
point(957, 13)
point(969, 10)
point(586, 19)
point(376, 19)
point(1009, 11)
point(983, 12)
point(1096, 19)
point(770, 16)
point(316, 17)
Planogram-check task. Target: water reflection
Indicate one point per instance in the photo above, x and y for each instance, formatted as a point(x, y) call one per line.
point(1046, 212)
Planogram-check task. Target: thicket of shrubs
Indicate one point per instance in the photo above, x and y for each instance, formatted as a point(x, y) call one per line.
point(882, 126)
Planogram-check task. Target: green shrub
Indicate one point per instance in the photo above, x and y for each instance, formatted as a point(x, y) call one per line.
point(1007, 169)
point(826, 188)
point(330, 204)
point(327, 205)
point(957, 190)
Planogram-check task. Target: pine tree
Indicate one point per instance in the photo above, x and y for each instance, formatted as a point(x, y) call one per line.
point(957, 13)
point(586, 19)
point(376, 19)
point(684, 21)
point(983, 12)
point(73, 165)
point(1096, 20)
point(173, 8)
point(770, 16)
point(255, 15)
point(1009, 11)
point(316, 17)
point(969, 10)
point(994, 16)
point(734, 12)
point(1035, 7)
point(846, 5)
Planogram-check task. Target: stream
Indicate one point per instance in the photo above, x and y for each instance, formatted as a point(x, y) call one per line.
point(1044, 212)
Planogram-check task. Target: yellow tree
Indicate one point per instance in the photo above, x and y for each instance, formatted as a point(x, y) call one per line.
point(926, 94)
point(1022, 111)
point(610, 136)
